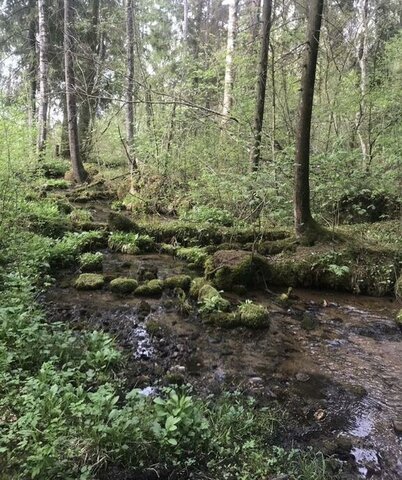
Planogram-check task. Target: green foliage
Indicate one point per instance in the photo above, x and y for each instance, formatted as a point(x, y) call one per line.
point(211, 301)
point(204, 214)
point(91, 262)
point(131, 243)
point(80, 215)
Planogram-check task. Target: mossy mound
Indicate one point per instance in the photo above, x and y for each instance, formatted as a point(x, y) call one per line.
point(123, 285)
point(196, 286)
point(195, 256)
point(118, 222)
point(228, 268)
point(274, 247)
point(178, 281)
point(210, 300)
point(153, 288)
point(252, 315)
point(352, 268)
point(91, 262)
point(89, 281)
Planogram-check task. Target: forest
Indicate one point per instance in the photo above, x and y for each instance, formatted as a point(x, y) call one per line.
point(200, 239)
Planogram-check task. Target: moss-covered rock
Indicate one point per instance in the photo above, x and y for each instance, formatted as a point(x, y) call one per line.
point(91, 262)
point(309, 321)
point(210, 300)
point(399, 319)
point(147, 272)
point(196, 256)
point(228, 268)
point(123, 285)
point(252, 315)
point(196, 285)
point(118, 222)
point(178, 281)
point(153, 288)
point(89, 281)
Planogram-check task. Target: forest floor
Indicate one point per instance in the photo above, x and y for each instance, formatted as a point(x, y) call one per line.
point(327, 357)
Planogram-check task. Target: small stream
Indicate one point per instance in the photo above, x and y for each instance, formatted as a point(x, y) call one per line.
point(341, 381)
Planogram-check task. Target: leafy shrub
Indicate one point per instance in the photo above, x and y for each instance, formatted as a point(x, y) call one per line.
point(205, 214)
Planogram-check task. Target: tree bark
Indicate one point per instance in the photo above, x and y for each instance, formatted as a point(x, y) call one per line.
point(255, 151)
point(88, 106)
point(185, 21)
point(43, 77)
point(32, 67)
point(80, 174)
point(130, 126)
point(229, 70)
point(302, 211)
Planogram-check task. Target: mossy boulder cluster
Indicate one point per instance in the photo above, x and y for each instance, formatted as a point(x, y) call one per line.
point(89, 281)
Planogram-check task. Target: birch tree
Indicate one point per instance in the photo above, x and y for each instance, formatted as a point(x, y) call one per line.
point(229, 68)
point(43, 77)
point(130, 126)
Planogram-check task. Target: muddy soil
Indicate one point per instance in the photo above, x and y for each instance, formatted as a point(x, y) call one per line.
point(332, 360)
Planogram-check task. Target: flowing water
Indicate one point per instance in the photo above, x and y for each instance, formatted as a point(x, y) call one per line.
point(341, 381)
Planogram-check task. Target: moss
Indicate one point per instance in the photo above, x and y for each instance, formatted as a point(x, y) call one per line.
point(123, 285)
point(89, 281)
point(55, 184)
point(252, 315)
point(153, 288)
point(91, 262)
point(274, 247)
point(236, 267)
point(178, 281)
point(210, 300)
point(147, 272)
point(399, 318)
point(196, 286)
point(194, 255)
point(309, 321)
point(118, 222)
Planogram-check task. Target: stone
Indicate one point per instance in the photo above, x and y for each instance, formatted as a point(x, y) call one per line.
point(123, 285)
point(89, 281)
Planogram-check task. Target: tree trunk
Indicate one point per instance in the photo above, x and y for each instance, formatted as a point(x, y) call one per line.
point(302, 212)
point(80, 174)
point(185, 21)
point(88, 105)
point(130, 126)
point(43, 77)
point(255, 151)
point(362, 57)
point(32, 67)
point(228, 84)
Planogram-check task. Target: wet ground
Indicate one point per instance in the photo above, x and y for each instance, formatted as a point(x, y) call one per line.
point(333, 360)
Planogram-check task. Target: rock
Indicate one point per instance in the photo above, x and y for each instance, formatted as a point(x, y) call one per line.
point(120, 223)
point(147, 272)
point(397, 423)
point(123, 285)
point(252, 315)
point(211, 300)
point(228, 268)
point(178, 281)
point(89, 281)
point(144, 308)
point(153, 288)
point(302, 377)
point(196, 286)
point(309, 321)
